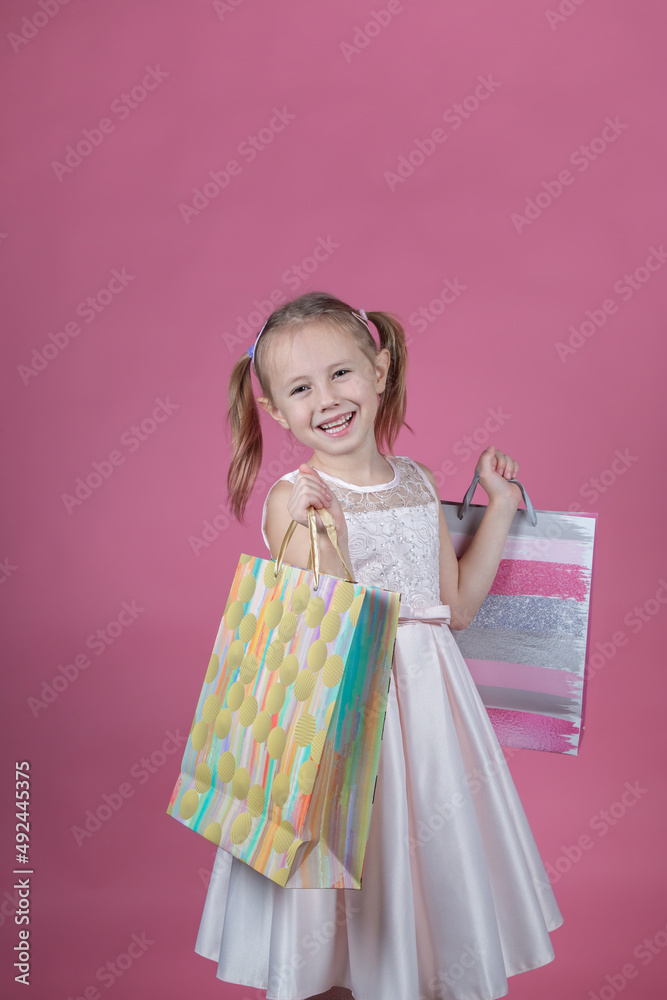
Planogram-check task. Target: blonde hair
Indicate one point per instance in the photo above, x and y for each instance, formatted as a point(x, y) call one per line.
point(243, 414)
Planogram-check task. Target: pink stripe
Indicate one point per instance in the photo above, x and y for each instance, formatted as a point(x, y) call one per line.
point(534, 732)
point(547, 579)
point(525, 677)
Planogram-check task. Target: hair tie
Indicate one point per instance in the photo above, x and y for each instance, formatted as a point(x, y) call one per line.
point(253, 348)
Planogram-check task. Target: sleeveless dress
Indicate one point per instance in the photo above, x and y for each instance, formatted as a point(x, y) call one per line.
point(455, 897)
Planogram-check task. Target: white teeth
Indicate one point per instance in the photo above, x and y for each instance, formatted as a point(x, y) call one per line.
point(339, 423)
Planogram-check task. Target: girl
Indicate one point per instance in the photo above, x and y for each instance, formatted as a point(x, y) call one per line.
point(455, 897)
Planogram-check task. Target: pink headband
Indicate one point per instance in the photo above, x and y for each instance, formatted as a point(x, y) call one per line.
point(361, 314)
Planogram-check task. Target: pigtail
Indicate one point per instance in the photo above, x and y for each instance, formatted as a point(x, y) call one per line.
point(243, 417)
point(393, 401)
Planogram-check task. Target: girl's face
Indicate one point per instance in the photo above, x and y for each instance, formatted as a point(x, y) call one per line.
point(325, 389)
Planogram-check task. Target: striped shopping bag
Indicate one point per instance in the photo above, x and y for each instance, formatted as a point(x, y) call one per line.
point(527, 646)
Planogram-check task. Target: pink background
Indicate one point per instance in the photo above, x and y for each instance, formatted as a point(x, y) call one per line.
point(170, 335)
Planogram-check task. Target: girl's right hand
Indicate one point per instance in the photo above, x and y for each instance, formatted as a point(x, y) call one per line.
point(310, 490)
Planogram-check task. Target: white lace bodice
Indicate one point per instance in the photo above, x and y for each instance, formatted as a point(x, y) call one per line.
point(393, 532)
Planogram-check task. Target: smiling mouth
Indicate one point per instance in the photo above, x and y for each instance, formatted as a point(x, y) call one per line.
point(337, 426)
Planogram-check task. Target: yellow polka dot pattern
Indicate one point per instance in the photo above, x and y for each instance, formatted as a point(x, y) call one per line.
point(213, 832)
point(274, 655)
point(223, 723)
point(199, 736)
point(210, 708)
point(275, 698)
point(248, 711)
point(269, 578)
point(247, 588)
point(317, 654)
point(283, 837)
point(293, 848)
point(355, 608)
point(256, 799)
point(226, 766)
point(234, 615)
point(248, 668)
point(240, 783)
point(240, 828)
point(235, 655)
point(273, 613)
point(289, 669)
point(235, 695)
point(188, 804)
point(261, 727)
point(304, 684)
point(343, 597)
point(287, 627)
point(315, 612)
point(281, 618)
point(330, 626)
point(248, 627)
point(280, 789)
point(306, 776)
point(202, 778)
point(276, 741)
point(333, 670)
point(304, 730)
point(280, 876)
point(213, 668)
point(317, 746)
point(300, 598)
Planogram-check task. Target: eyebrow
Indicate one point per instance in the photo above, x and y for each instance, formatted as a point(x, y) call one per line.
point(346, 362)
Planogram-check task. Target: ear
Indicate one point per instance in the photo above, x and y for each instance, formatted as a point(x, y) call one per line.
point(382, 362)
point(273, 411)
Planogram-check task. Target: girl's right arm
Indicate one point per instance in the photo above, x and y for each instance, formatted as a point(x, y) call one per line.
point(287, 503)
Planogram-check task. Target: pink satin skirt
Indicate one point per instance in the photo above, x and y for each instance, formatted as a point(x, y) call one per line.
point(454, 895)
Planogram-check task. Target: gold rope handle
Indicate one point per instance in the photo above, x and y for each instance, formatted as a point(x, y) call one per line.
point(330, 526)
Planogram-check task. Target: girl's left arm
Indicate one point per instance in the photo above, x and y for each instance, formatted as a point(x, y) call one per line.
point(465, 582)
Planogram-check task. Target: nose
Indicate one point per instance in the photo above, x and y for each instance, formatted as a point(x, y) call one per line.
point(326, 398)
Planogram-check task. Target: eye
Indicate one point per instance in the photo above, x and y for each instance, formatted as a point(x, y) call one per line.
point(343, 370)
point(298, 389)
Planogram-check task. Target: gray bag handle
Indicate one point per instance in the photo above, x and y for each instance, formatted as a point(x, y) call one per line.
point(463, 509)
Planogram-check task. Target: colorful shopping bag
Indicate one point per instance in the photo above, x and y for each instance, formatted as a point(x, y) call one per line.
point(281, 762)
point(527, 646)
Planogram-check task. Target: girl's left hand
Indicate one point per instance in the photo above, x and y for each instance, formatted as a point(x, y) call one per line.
point(495, 468)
